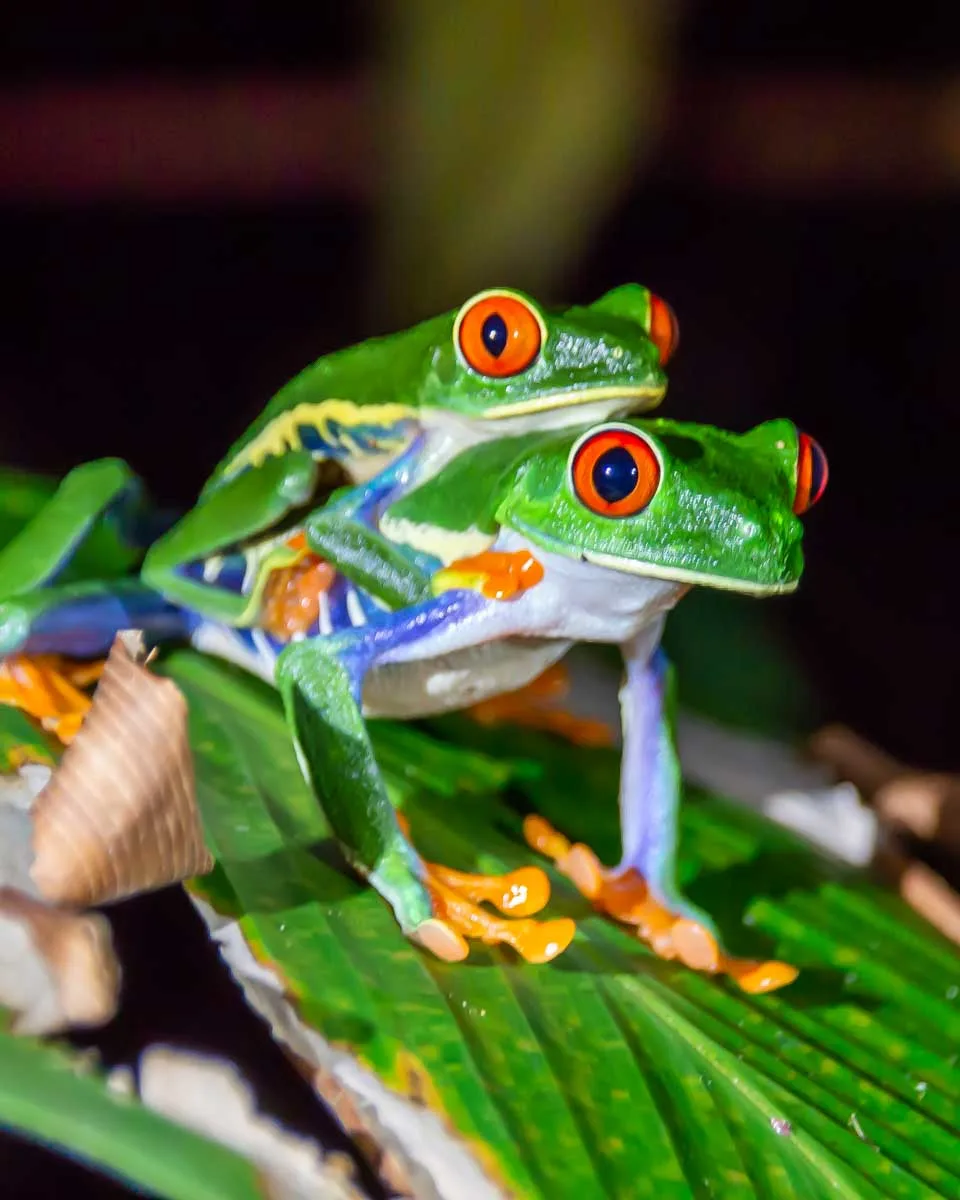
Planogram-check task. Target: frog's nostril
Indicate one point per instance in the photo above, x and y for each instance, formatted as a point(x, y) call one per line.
point(812, 474)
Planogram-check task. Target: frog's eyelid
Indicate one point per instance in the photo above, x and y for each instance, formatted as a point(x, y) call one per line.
point(631, 434)
point(609, 427)
point(508, 293)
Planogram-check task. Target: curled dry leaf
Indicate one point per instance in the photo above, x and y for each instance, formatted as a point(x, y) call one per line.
point(212, 1098)
point(57, 969)
point(119, 815)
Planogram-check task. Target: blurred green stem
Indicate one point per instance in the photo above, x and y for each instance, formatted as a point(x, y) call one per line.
point(507, 132)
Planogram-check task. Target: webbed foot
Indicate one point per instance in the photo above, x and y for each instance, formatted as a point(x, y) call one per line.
point(48, 688)
point(458, 917)
point(292, 596)
point(624, 896)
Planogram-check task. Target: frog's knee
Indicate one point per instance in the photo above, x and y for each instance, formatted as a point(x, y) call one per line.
point(305, 659)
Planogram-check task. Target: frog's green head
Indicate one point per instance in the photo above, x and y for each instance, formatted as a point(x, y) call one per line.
point(503, 356)
point(673, 500)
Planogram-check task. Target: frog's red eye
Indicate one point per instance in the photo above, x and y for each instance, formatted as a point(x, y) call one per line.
point(499, 334)
point(812, 474)
point(664, 328)
point(615, 472)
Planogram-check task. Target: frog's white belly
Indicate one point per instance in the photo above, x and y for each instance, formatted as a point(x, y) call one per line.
point(508, 643)
point(422, 687)
point(502, 646)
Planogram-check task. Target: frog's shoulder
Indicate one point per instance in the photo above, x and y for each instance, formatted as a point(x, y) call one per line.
point(453, 514)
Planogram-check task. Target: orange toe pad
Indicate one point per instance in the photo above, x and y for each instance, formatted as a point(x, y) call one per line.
point(624, 896)
point(48, 688)
point(458, 917)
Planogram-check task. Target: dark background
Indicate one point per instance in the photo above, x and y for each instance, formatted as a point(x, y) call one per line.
point(156, 331)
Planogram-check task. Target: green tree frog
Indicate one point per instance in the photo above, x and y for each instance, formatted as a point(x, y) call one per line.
point(397, 407)
point(511, 552)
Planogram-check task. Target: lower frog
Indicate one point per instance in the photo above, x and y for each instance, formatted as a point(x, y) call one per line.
point(536, 543)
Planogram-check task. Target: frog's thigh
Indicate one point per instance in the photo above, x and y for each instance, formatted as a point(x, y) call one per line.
point(48, 540)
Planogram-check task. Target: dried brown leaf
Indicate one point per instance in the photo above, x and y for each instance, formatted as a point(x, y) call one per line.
point(57, 969)
point(119, 815)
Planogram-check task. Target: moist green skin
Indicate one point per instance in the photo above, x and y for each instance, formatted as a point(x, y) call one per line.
point(723, 511)
point(722, 516)
point(363, 407)
point(604, 344)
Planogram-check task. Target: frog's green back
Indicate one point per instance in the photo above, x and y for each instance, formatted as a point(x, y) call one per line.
point(383, 375)
point(369, 398)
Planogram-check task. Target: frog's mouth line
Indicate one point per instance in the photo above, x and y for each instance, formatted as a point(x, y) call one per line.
point(583, 396)
point(696, 578)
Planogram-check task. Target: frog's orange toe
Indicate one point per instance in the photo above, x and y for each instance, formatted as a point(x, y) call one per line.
point(695, 946)
point(48, 688)
point(539, 705)
point(442, 940)
point(496, 574)
point(758, 977)
point(517, 894)
point(625, 897)
point(458, 915)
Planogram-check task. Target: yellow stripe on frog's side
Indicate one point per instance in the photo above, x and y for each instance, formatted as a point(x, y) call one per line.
point(282, 434)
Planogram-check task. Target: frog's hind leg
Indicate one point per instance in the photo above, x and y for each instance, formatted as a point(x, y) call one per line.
point(439, 908)
point(37, 680)
point(49, 688)
point(47, 543)
point(641, 891)
point(540, 705)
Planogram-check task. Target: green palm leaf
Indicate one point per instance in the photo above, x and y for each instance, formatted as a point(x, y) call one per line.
point(46, 1095)
point(607, 1072)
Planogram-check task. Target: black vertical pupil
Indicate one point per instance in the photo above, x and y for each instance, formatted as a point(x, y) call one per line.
point(494, 334)
point(615, 474)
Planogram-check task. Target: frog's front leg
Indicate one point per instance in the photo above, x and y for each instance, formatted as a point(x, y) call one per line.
point(641, 891)
point(245, 505)
point(321, 682)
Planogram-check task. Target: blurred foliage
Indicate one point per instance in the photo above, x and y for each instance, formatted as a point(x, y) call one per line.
point(509, 130)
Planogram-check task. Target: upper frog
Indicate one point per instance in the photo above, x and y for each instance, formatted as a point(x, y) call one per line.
point(499, 364)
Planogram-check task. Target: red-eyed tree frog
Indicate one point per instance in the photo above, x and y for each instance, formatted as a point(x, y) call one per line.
point(512, 551)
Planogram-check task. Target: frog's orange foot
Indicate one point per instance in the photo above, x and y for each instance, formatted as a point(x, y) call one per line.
point(48, 688)
point(458, 916)
point(292, 594)
point(624, 896)
point(536, 707)
point(498, 575)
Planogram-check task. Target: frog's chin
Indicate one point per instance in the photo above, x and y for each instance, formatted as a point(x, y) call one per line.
point(551, 409)
point(723, 583)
